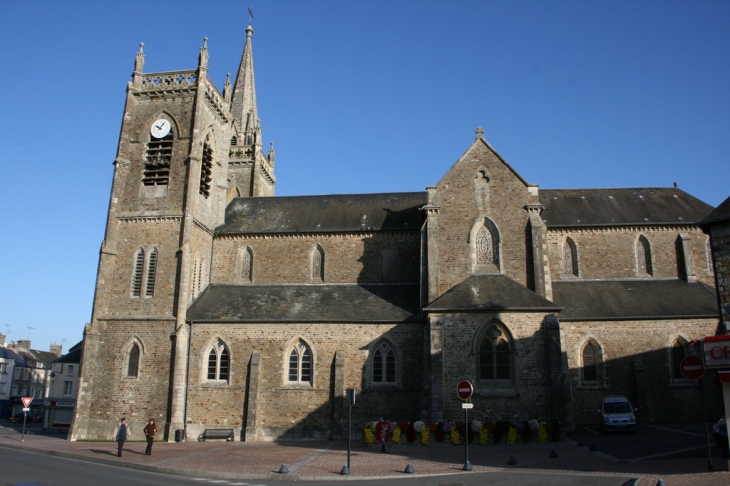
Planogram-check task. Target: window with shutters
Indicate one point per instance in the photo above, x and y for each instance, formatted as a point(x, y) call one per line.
point(300, 364)
point(157, 161)
point(218, 363)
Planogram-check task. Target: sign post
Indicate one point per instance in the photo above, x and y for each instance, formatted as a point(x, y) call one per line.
point(350, 402)
point(464, 390)
point(693, 368)
point(26, 407)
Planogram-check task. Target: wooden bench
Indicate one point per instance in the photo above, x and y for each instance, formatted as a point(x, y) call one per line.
point(216, 434)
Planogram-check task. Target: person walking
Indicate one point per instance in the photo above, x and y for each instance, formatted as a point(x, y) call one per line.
point(121, 433)
point(149, 433)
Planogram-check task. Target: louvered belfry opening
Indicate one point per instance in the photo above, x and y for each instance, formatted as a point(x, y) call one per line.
point(138, 269)
point(151, 271)
point(157, 161)
point(206, 170)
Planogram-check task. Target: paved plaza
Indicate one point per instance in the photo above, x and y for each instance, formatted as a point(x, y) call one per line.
point(322, 461)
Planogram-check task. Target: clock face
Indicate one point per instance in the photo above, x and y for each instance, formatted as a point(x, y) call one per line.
point(160, 128)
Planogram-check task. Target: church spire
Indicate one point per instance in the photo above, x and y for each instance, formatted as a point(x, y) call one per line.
point(243, 106)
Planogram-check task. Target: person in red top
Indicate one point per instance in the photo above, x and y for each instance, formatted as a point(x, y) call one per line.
point(382, 432)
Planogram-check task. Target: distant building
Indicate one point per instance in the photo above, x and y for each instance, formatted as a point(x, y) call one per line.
point(62, 391)
point(717, 224)
point(34, 379)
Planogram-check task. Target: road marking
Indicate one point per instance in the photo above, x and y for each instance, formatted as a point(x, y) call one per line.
point(677, 431)
point(666, 453)
point(591, 431)
point(310, 458)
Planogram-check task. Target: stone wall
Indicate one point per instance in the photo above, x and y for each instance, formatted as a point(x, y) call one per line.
point(286, 410)
point(607, 253)
point(636, 362)
point(349, 257)
point(525, 397)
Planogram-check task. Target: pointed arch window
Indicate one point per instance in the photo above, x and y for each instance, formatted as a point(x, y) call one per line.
point(198, 279)
point(206, 169)
point(218, 362)
point(318, 264)
point(710, 259)
point(133, 361)
point(384, 364)
point(390, 264)
point(590, 363)
point(300, 364)
point(495, 358)
point(484, 242)
point(643, 257)
point(570, 258)
point(234, 141)
point(677, 353)
point(157, 161)
point(246, 264)
point(485, 246)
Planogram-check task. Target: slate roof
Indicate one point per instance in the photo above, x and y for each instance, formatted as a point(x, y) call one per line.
point(73, 355)
point(10, 354)
point(620, 207)
point(633, 299)
point(307, 303)
point(720, 213)
point(491, 293)
point(331, 213)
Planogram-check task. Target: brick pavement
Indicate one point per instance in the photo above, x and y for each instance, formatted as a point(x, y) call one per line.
point(324, 460)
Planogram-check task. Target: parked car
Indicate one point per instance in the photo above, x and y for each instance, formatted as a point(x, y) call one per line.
point(617, 414)
point(18, 418)
point(719, 433)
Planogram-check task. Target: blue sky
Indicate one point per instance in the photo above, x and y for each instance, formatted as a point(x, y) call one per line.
point(358, 97)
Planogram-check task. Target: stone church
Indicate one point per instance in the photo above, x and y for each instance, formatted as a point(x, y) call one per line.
point(220, 305)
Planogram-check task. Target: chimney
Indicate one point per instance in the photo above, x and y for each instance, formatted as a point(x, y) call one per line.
point(56, 349)
point(23, 345)
point(2, 339)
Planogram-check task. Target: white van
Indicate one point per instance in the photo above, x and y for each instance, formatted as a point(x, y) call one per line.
point(617, 414)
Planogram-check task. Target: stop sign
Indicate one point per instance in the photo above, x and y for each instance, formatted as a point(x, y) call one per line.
point(464, 389)
point(692, 368)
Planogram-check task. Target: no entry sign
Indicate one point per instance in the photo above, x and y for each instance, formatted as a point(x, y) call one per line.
point(464, 389)
point(692, 368)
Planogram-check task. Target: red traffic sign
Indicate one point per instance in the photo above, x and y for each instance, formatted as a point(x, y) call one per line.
point(26, 401)
point(692, 368)
point(464, 389)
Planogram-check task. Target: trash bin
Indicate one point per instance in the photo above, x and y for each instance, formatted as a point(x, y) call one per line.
point(179, 435)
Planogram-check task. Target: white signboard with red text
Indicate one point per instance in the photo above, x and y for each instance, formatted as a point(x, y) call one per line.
point(716, 351)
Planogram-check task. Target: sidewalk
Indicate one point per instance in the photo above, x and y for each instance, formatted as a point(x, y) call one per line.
point(323, 461)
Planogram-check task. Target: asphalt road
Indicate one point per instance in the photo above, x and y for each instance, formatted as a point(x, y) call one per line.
point(651, 442)
point(20, 468)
